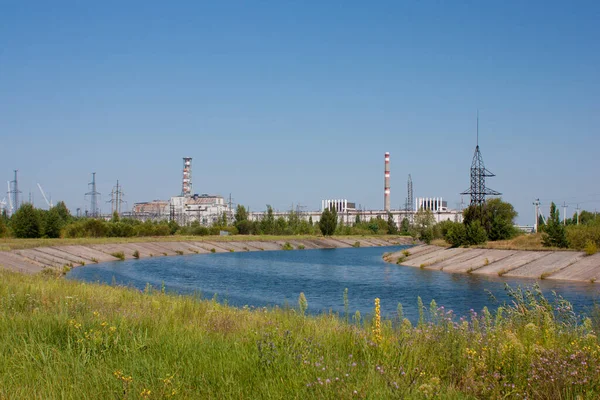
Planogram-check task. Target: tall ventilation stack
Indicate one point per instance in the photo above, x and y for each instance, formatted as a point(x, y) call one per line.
point(386, 189)
point(186, 187)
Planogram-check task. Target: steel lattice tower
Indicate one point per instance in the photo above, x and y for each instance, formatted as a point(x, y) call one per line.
point(94, 211)
point(410, 198)
point(478, 189)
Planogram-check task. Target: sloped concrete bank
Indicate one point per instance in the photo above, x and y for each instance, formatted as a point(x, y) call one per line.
point(57, 257)
point(559, 265)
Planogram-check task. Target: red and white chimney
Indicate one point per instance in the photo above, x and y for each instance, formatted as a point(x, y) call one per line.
point(386, 185)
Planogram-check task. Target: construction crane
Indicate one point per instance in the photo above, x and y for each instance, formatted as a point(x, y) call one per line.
point(49, 203)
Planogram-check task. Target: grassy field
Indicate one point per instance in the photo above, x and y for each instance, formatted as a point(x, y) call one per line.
point(64, 339)
point(522, 242)
point(7, 244)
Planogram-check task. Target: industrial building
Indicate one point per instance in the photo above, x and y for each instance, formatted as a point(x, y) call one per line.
point(185, 208)
point(208, 209)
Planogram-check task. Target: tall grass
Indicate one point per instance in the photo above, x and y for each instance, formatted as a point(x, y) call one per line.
point(64, 339)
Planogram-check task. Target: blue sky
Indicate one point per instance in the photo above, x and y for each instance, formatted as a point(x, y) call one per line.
point(287, 102)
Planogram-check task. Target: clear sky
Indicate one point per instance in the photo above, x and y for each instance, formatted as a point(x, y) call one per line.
point(287, 102)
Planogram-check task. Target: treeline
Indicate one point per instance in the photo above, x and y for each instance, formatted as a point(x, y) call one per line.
point(582, 232)
point(30, 222)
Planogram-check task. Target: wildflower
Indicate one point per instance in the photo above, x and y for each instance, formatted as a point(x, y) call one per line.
point(377, 322)
point(146, 393)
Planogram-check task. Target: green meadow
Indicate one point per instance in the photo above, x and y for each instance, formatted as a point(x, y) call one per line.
point(72, 340)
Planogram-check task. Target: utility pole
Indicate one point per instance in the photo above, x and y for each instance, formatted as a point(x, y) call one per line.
point(116, 199)
point(565, 212)
point(536, 203)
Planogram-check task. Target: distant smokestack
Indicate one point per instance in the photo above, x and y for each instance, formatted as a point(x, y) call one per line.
point(386, 189)
point(186, 185)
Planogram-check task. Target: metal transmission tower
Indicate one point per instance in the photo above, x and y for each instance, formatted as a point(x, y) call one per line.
point(410, 199)
point(116, 199)
point(94, 211)
point(14, 192)
point(478, 190)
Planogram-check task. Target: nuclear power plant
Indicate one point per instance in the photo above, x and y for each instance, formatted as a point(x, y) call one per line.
point(207, 209)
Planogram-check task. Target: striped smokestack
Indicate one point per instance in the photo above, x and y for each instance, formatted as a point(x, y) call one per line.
point(386, 188)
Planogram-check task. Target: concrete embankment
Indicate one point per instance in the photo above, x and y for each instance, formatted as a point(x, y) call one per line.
point(559, 265)
point(57, 257)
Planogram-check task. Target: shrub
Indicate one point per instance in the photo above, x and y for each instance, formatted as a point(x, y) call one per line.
point(287, 246)
point(118, 254)
point(475, 233)
point(456, 234)
point(136, 254)
point(356, 244)
point(591, 248)
point(578, 236)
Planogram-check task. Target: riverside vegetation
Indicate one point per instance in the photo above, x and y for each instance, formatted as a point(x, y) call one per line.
point(65, 339)
point(31, 223)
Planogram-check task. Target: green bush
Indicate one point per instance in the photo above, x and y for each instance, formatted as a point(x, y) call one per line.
point(476, 233)
point(456, 234)
point(26, 222)
point(591, 248)
point(578, 236)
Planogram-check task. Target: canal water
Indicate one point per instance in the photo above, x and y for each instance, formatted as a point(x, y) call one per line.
point(270, 278)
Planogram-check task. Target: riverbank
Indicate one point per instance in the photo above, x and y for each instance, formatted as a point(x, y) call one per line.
point(559, 265)
point(57, 255)
point(73, 340)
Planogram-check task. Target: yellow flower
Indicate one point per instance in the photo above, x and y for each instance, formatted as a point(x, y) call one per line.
point(146, 393)
point(377, 322)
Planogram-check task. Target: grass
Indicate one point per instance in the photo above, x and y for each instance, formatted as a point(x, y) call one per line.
point(64, 339)
point(136, 254)
point(118, 254)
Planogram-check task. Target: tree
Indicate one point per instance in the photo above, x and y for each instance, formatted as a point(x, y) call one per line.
point(456, 234)
point(26, 222)
point(63, 211)
point(115, 217)
point(554, 234)
point(53, 223)
point(475, 233)
point(328, 222)
point(357, 220)
point(241, 220)
point(424, 221)
point(392, 228)
point(3, 228)
point(267, 224)
point(405, 226)
point(495, 216)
